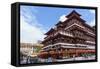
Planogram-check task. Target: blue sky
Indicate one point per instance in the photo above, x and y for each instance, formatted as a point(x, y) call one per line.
point(35, 21)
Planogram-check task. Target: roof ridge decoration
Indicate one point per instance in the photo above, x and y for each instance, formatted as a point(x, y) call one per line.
point(73, 12)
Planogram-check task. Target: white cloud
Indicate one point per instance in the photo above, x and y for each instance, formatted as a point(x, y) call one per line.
point(62, 18)
point(31, 30)
point(92, 11)
point(92, 22)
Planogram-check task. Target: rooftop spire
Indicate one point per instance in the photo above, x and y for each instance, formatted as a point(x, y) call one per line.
point(73, 13)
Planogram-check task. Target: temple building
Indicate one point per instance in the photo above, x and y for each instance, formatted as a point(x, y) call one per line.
point(71, 37)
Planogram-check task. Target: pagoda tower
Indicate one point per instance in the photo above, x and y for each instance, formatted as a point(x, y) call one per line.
point(72, 37)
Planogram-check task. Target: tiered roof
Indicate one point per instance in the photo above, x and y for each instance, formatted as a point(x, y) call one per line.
point(70, 16)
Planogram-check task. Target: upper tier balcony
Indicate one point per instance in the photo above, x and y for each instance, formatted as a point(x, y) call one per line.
point(59, 32)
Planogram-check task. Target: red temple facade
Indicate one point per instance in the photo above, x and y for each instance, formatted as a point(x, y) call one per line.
point(70, 38)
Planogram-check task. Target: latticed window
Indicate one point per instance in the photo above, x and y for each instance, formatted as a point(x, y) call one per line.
point(68, 40)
